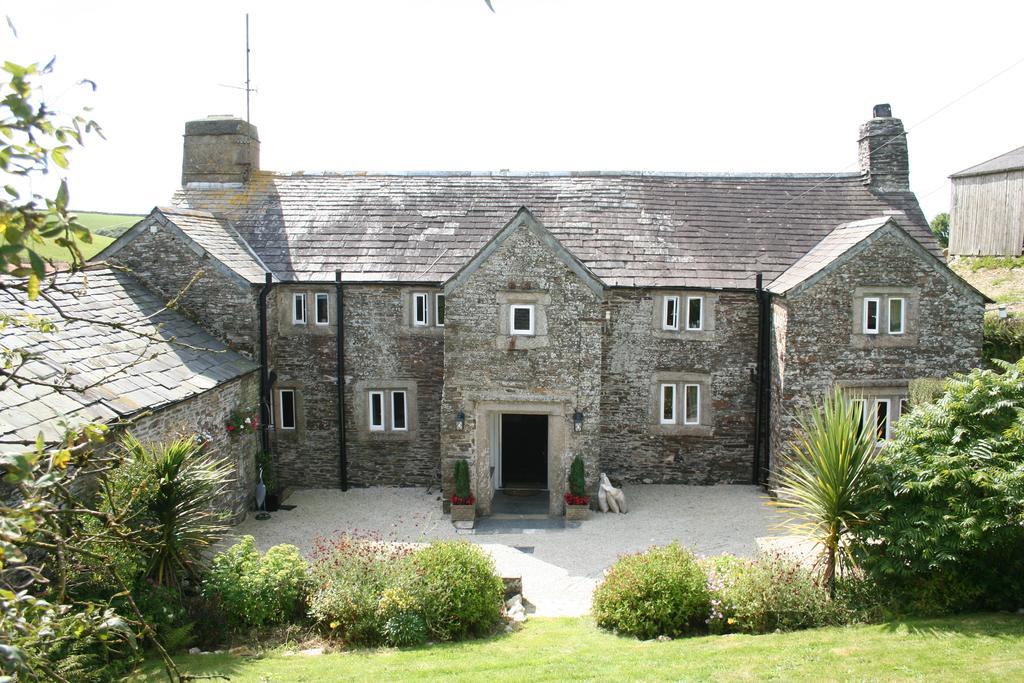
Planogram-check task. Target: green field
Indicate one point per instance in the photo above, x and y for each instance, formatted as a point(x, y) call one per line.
point(986, 647)
point(49, 250)
point(112, 224)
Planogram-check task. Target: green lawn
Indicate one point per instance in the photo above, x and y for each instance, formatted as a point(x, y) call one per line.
point(50, 250)
point(976, 647)
point(111, 224)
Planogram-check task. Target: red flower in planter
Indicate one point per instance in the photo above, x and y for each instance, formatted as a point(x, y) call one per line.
point(455, 500)
point(231, 428)
point(576, 500)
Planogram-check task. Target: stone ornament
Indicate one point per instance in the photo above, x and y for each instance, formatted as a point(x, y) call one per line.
point(609, 498)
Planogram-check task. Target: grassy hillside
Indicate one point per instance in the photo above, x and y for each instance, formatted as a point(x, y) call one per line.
point(112, 224)
point(1001, 278)
point(49, 250)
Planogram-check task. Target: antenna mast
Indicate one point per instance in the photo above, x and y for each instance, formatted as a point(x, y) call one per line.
point(248, 89)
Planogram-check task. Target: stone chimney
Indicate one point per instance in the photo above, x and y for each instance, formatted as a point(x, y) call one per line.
point(219, 149)
point(883, 152)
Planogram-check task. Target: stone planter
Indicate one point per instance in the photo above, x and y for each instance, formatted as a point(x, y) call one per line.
point(463, 513)
point(576, 513)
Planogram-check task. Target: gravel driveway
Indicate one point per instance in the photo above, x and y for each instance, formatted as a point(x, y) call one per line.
point(560, 567)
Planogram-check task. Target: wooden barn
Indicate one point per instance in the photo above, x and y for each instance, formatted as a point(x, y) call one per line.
point(987, 212)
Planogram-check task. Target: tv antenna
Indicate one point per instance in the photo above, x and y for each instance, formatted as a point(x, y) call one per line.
point(248, 83)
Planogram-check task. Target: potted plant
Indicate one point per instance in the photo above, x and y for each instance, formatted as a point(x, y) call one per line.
point(241, 422)
point(463, 503)
point(577, 502)
point(266, 462)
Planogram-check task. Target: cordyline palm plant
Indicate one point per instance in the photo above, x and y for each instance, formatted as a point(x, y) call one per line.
point(823, 482)
point(175, 489)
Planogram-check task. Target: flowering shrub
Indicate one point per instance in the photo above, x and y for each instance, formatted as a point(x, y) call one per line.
point(458, 589)
point(572, 499)
point(456, 500)
point(256, 590)
point(242, 422)
point(662, 591)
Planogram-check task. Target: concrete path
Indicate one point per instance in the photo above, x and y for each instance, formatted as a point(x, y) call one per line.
point(561, 566)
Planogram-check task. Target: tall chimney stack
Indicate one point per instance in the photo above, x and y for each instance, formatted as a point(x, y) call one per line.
point(884, 164)
point(220, 149)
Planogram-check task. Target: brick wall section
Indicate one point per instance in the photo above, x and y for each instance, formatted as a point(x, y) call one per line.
point(633, 448)
point(482, 365)
point(220, 305)
point(381, 351)
point(819, 325)
point(207, 413)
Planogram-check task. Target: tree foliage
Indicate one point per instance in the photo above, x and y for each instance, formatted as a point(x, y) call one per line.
point(940, 228)
point(949, 495)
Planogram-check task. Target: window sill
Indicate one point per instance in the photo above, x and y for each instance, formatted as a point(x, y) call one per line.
point(882, 341)
point(683, 430)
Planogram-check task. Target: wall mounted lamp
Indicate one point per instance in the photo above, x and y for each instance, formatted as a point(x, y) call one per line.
point(460, 421)
point(577, 421)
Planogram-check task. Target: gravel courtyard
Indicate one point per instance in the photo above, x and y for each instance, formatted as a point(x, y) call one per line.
point(560, 567)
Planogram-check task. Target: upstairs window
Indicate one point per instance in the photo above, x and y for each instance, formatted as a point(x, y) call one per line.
point(871, 307)
point(323, 315)
point(420, 309)
point(298, 309)
point(667, 408)
point(521, 319)
point(376, 411)
point(670, 313)
point(691, 404)
point(897, 315)
point(439, 310)
point(694, 313)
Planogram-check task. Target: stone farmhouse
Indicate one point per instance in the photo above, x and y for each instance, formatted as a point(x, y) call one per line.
point(666, 327)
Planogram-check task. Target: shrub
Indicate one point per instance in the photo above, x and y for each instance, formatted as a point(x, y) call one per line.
point(950, 497)
point(662, 591)
point(258, 590)
point(350, 575)
point(1003, 339)
point(463, 495)
point(925, 390)
point(458, 591)
point(769, 593)
point(577, 479)
point(401, 623)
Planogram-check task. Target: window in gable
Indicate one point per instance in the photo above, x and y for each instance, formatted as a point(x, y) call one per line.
point(694, 313)
point(897, 315)
point(286, 407)
point(420, 309)
point(376, 399)
point(871, 305)
point(323, 315)
point(670, 313)
point(667, 411)
point(399, 420)
point(691, 404)
point(521, 319)
point(439, 310)
point(298, 309)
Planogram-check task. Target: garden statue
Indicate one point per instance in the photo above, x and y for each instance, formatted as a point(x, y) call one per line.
point(609, 497)
point(261, 498)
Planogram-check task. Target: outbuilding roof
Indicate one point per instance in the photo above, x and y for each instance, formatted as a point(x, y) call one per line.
point(1011, 161)
point(117, 346)
point(629, 229)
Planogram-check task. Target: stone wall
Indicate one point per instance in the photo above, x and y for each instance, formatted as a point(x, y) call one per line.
point(822, 346)
point(555, 372)
point(638, 356)
point(382, 351)
point(207, 413)
point(221, 305)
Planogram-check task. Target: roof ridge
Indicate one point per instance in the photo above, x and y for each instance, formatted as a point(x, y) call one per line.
point(556, 174)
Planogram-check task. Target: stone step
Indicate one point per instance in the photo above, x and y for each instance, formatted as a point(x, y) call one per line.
point(518, 517)
point(524, 492)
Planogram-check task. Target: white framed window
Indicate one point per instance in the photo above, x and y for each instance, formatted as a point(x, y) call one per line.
point(399, 416)
point(420, 309)
point(871, 306)
point(897, 315)
point(670, 313)
point(520, 319)
point(286, 408)
point(298, 309)
point(862, 416)
point(667, 404)
point(694, 313)
point(323, 309)
point(882, 419)
point(691, 404)
point(376, 411)
point(439, 310)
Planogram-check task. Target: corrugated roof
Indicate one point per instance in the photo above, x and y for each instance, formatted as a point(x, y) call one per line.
point(629, 229)
point(1011, 161)
point(88, 353)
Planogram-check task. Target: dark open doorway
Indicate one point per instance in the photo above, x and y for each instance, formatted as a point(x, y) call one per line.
point(524, 451)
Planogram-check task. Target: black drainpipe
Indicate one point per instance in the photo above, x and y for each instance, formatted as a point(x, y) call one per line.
point(264, 367)
point(340, 317)
point(764, 384)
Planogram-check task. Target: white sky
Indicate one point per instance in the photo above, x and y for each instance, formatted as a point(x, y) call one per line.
point(538, 85)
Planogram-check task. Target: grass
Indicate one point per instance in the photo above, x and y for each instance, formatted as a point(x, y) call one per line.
point(49, 250)
point(1000, 277)
point(110, 224)
point(974, 647)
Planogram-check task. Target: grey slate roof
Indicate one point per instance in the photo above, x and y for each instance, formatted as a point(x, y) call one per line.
point(628, 229)
point(209, 234)
point(1011, 161)
point(87, 352)
point(825, 252)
